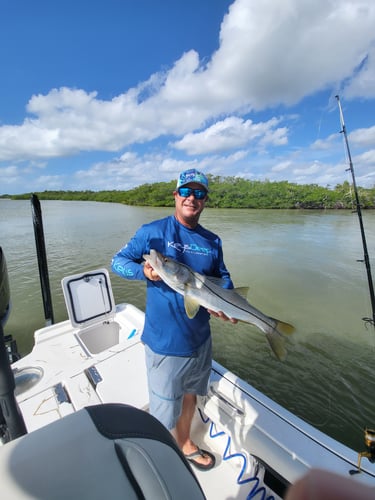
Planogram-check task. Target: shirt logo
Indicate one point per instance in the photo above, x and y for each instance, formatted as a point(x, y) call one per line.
point(189, 248)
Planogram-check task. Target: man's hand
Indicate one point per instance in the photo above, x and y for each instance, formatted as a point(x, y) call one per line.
point(221, 315)
point(149, 272)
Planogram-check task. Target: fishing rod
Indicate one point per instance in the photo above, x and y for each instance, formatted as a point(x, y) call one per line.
point(359, 212)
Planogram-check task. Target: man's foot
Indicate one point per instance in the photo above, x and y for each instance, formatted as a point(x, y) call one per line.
point(201, 459)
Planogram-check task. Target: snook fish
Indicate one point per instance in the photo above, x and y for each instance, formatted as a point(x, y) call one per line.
point(199, 290)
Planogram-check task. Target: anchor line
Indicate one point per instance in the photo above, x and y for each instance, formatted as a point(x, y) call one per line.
point(359, 213)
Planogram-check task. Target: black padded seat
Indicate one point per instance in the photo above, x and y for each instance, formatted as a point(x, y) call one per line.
point(108, 451)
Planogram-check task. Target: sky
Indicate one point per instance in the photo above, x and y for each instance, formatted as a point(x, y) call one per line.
point(112, 94)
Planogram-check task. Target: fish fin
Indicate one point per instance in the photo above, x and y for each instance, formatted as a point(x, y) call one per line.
point(242, 291)
point(217, 281)
point(191, 306)
point(277, 343)
point(284, 328)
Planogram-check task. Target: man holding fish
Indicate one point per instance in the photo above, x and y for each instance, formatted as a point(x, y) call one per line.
point(186, 282)
point(178, 347)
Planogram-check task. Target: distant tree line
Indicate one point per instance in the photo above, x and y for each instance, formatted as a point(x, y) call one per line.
point(228, 192)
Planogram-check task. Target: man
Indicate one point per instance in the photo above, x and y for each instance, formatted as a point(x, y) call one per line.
point(178, 349)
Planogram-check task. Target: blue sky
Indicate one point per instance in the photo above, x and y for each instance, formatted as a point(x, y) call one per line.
point(117, 93)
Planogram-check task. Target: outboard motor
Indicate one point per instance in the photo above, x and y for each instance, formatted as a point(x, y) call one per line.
point(12, 424)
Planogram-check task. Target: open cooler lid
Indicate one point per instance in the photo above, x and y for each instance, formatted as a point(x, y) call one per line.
point(88, 297)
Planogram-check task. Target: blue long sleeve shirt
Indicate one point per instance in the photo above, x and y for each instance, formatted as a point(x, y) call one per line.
point(168, 330)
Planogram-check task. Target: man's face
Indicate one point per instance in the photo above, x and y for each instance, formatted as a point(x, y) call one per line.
point(189, 208)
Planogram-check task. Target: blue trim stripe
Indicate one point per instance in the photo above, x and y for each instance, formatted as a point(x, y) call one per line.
point(227, 456)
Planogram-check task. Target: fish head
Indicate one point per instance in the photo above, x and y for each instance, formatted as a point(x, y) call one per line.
point(170, 270)
point(155, 259)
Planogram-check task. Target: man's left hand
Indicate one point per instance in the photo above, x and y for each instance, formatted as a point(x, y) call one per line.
point(221, 315)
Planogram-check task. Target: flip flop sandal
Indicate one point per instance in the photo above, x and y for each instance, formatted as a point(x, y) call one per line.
point(201, 453)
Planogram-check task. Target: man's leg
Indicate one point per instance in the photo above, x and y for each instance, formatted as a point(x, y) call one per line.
point(182, 430)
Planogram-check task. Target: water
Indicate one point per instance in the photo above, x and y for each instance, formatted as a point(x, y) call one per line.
point(301, 267)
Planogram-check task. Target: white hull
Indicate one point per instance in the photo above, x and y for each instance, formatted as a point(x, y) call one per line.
point(75, 366)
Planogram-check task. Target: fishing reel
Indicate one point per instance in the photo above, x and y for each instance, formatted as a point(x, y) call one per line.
point(369, 436)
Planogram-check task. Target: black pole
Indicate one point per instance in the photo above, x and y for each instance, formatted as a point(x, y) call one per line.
point(359, 212)
point(42, 258)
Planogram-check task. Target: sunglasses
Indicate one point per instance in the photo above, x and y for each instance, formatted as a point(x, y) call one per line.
point(185, 192)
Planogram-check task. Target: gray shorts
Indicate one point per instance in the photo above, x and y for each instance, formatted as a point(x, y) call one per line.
point(170, 377)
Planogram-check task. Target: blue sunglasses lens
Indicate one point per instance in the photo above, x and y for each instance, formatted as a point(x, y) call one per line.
point(185, 192)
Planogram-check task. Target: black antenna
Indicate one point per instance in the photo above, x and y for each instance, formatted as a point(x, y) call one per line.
point(359, 212)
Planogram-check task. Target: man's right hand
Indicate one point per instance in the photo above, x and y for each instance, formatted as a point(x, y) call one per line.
point(149, 272)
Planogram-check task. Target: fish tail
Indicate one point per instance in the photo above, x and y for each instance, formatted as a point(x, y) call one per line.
point(276, 338)
point(277, 343)
point(284, 328)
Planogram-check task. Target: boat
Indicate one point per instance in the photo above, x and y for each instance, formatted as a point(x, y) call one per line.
point(86, 374)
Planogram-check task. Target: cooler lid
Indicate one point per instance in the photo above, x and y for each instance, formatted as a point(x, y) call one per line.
point(88, 297)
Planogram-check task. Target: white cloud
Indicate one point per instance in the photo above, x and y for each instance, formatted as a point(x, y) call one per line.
point(131, 169)
point(364, 137)
point(230, 133)
point(365, 160)
point(282, 166)
point(279, 52)
point(324, 144)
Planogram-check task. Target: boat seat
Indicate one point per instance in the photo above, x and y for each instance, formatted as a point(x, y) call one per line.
point(106, 451)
